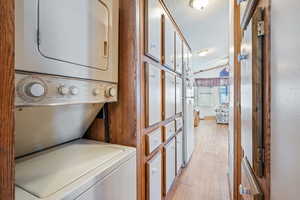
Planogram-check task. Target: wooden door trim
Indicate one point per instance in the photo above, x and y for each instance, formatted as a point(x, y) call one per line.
point(265, 180)
point(7, 35)
point(237, 107)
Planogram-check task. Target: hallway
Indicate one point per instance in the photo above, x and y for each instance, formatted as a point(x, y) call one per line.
point(205, 178)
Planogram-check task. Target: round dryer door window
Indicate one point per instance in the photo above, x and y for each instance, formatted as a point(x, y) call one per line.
point(75, 31)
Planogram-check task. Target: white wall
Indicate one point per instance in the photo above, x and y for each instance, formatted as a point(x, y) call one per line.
point(285, 105)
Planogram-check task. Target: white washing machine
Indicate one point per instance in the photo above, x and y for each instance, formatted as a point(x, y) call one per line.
point(81, 170)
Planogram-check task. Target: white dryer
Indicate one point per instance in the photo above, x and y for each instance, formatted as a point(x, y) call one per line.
point(73, 38)
point(81, 170)
point(66, 63)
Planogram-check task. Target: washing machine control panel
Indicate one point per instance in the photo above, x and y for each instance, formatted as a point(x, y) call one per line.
point(43, 90)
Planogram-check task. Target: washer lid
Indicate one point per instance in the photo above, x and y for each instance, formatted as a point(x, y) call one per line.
point(48, 172)
point(74, 31)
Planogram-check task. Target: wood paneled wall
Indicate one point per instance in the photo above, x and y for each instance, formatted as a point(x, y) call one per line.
point(123, 114)
point(6, 100)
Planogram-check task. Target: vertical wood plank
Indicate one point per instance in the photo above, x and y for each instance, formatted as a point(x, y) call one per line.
point(6, 100)
point(122, 114)
point(237, 99)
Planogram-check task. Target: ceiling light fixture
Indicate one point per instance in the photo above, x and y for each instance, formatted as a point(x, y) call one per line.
point(198, 4)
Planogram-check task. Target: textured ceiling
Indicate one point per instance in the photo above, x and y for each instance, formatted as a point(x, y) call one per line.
point(206, 29)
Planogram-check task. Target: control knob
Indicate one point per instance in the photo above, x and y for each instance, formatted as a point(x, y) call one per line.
point(35, 90)
point(63, 90)
point(111, 92)
point(96, 91)
point(74, 90)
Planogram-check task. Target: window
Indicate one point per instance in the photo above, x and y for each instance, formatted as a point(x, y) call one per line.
point(224, 94)
point(204, 96)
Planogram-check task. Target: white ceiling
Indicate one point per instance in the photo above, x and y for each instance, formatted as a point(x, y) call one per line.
point(206, 29)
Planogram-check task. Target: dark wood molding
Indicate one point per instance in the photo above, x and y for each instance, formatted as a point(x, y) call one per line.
point(7, 99)
point(257, 94)
point(265, 181)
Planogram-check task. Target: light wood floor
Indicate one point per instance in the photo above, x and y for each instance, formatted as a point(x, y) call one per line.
point(205, 178)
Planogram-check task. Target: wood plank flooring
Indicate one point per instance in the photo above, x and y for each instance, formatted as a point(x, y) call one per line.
point(205, 178)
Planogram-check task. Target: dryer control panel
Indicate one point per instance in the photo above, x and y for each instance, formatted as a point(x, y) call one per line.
point(47, 90)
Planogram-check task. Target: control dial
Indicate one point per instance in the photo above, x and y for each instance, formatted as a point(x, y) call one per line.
point(111, 92)
point(32, 89)
point(74, 90)
point(96, 91)
point(63, 90)
point(35, 90)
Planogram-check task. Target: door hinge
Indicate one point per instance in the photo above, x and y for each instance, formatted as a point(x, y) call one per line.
point(38, 37)
point(260, 28)
point(242, 57)
point(260, 161)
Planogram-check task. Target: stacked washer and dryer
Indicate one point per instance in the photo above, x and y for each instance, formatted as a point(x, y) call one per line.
point(66, 69)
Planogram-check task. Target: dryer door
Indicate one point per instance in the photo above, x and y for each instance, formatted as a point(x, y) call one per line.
point(74, 31)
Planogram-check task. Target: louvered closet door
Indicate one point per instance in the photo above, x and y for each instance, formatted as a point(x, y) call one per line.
point(178, 95)
point(169, 96)
point(169, 44)
point(179, 55)
point(153, 29)
point(153, 92)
